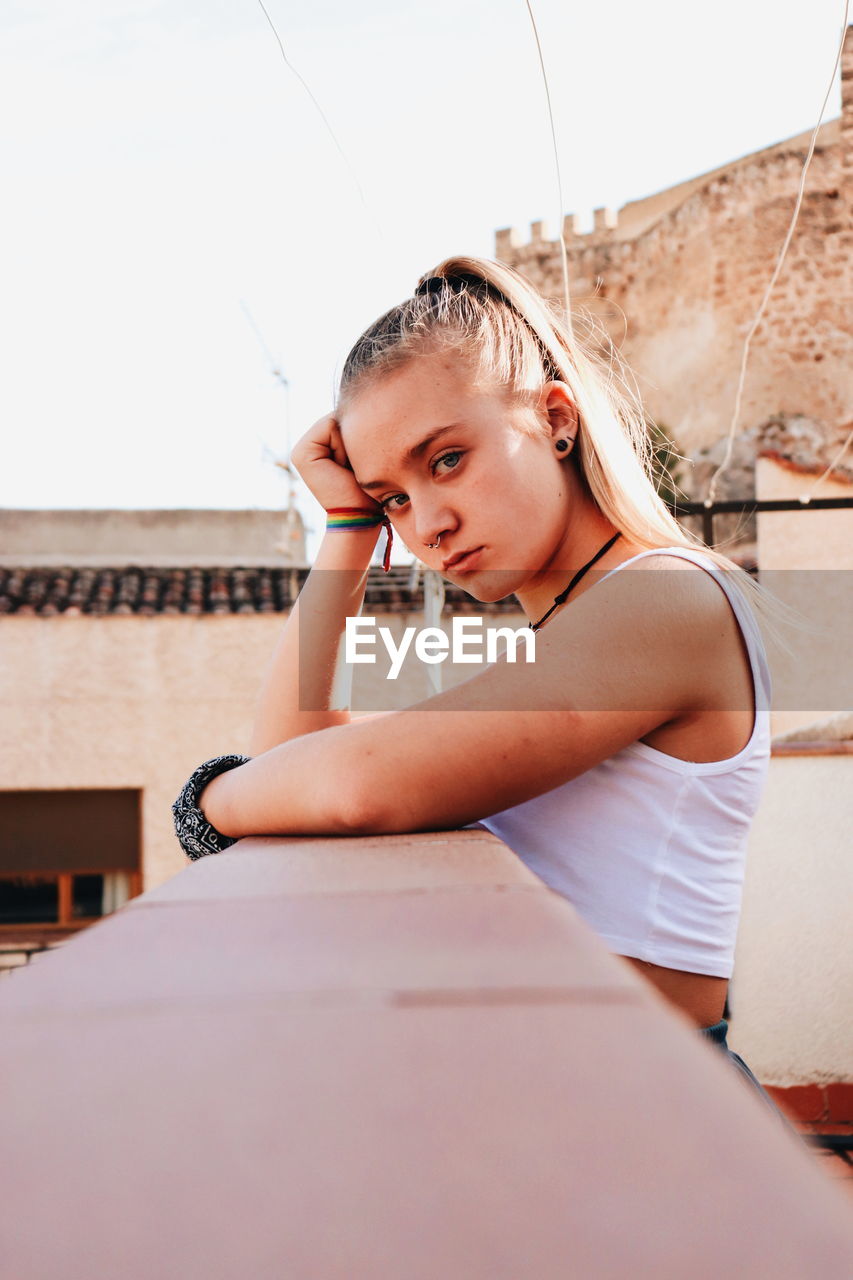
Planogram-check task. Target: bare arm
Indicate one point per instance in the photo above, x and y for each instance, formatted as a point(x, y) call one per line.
point(306, 686)
point(622, 661)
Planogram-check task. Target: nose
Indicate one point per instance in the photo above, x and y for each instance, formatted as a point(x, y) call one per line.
point(431, 520)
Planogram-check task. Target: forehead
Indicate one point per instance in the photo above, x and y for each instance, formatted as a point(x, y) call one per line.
point(395, 411)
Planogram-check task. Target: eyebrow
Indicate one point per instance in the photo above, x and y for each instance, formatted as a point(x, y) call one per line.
point(412, 455)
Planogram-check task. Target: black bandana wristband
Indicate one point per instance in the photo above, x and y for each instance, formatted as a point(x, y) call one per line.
point(195, 834)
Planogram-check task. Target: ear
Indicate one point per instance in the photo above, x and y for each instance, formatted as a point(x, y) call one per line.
point(562, 413)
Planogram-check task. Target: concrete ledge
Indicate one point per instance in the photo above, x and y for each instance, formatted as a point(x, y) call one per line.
point(262, 867)
point(380, 1058)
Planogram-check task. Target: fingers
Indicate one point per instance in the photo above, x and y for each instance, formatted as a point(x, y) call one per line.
point(322, 462)
point(336, 444)
point(316, 445)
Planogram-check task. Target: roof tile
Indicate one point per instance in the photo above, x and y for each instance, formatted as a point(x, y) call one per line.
point(146, 591)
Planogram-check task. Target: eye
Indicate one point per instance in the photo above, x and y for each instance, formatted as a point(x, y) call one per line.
point(454, 454)
point(392, 504)
point(397, 500)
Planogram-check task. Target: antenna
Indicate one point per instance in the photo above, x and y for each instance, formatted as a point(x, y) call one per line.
point(279, 460)
point(292, 532)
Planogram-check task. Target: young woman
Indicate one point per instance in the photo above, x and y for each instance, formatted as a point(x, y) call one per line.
point(625, 764)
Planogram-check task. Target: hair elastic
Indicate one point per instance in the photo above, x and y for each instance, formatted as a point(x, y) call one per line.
point(362, 518)
point(480, 287)
point(458, 282)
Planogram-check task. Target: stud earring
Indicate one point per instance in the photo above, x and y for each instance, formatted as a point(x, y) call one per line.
point(561, 446)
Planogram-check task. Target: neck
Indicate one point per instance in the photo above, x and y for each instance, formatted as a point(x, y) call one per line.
point(586, 532)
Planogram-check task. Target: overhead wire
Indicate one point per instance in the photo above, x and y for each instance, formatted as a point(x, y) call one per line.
point(807, 497)
point(712, 487)
point(564, 257)
point(322, 116)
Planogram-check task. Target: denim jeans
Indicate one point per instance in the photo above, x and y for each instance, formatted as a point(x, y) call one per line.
point(717, 1034)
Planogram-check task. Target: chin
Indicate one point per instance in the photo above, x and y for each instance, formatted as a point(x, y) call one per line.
point(489, 586)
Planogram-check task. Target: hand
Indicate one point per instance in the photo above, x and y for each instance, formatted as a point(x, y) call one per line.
point(322, 462)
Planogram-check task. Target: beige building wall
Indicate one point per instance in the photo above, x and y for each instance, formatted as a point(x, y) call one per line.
point(802, 540)
point(792, 991)
point(139, 702)
point(155, 537)
point(806, 558)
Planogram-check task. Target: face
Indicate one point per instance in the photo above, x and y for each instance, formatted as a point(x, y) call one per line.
point(446, 456)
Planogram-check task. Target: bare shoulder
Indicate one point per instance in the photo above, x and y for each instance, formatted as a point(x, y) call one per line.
point(699, 632)
point(684, 579)
point(661, 560)
point(661, 577)
point(649, 633)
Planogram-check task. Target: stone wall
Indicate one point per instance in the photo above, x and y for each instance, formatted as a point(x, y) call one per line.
point(677, 280)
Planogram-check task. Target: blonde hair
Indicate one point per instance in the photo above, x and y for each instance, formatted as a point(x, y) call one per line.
point(516, 339)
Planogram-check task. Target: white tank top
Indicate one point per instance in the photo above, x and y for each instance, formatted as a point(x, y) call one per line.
point(650, 849)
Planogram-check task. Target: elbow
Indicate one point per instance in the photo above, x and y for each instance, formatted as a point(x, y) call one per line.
point(359, 810)
point(357, 815)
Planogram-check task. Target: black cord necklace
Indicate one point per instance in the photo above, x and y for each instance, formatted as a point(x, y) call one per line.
point(564, 595)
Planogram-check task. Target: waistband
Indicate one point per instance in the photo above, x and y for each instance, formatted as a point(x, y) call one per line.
point(716, 1033)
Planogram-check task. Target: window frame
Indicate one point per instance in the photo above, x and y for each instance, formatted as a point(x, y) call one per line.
point(65, 920)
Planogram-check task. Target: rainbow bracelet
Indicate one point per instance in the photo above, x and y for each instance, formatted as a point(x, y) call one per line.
point(361, 518)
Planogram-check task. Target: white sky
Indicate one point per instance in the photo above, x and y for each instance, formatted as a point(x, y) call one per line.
point(161, 164)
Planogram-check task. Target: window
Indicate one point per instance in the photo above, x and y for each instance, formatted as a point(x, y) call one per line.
point(66, 857)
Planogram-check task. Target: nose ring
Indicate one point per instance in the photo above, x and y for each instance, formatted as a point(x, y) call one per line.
point(433, 545)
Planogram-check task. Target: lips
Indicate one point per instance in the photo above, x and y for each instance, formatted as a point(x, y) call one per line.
point(462, 560)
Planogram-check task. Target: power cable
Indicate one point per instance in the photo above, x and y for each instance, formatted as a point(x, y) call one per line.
point(712, 487)
point(564, 257)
